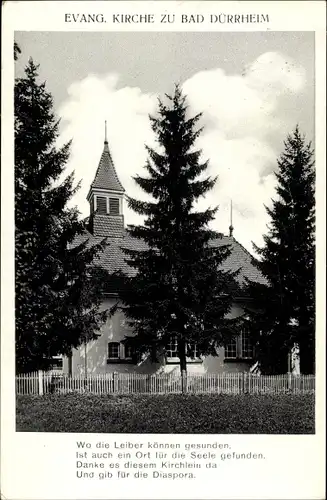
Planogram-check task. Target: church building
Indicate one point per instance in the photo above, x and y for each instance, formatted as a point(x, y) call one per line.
point(111, 352)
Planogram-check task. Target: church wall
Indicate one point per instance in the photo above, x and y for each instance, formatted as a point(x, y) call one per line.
point(94, 356)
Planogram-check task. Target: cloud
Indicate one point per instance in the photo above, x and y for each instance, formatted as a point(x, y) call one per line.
point(126, 110)
point(243, 121)
point(272, 73)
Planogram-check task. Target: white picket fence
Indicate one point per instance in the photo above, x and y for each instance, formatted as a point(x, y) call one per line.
point(134, 383)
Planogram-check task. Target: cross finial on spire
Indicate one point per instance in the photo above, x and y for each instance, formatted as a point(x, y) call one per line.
point(105, 132)
point(231, 229)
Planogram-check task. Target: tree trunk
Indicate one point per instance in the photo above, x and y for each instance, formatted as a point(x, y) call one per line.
point(182, 362)
point(70, 364)
point(182, 355)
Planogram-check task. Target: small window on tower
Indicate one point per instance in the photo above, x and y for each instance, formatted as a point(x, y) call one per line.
point(114, 206)
point(101, 205)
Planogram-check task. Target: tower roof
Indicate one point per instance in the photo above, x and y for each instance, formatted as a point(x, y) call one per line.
point(106, 176)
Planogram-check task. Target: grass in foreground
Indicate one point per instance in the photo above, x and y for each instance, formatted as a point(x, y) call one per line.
point(173, 414)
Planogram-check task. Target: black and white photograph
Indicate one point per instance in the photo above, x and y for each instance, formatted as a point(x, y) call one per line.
point(165, 232)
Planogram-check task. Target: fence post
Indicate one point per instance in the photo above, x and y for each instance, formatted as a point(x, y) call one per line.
point(246, 382)
point(40, 382)
point(289, 381)
point(114, 382)
point(148, 384)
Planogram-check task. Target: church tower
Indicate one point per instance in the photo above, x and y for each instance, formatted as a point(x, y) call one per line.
point(106, 196)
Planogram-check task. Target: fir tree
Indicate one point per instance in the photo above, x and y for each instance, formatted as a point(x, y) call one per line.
point(57, 292)
point(287, 306)
point(179, 291)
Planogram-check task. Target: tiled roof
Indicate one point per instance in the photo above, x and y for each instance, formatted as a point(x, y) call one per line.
point(109, 225)
point(112, 259)
point(106, 176)
point(240, 258)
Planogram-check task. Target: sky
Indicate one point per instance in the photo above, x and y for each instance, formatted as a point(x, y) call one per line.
point(251, 88)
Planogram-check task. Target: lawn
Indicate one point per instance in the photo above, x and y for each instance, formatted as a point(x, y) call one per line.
point(173, 413)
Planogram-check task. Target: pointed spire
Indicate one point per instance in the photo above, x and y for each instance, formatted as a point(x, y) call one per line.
point(105, 132)
point(231, 229)
point(106, 176)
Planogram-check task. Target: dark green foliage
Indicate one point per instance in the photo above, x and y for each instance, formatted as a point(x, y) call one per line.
point(171, 414)
point(57, 293)
point(286, 313)
point(178, 290)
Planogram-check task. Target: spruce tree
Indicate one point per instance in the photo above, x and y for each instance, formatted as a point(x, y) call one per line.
point(286, 315)
point(57, 288)
point(179, 290)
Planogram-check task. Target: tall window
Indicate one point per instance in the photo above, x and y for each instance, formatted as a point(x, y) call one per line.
point(102, 205)
point(231, 349)
point(246, 344)
point(240, 347)
point(114, 206)
point(114, 350)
